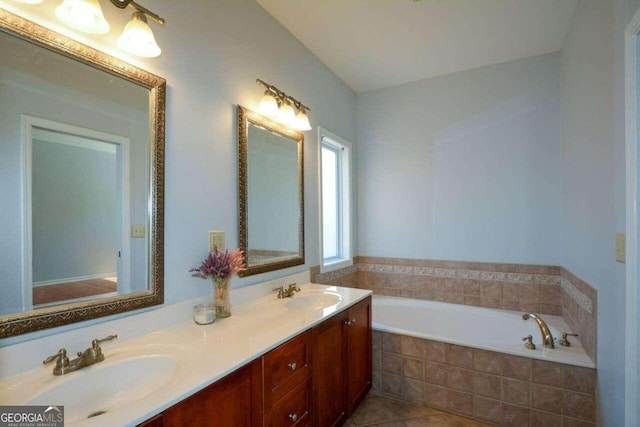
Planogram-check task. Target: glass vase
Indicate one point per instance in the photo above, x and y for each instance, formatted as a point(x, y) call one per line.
point(221, 297)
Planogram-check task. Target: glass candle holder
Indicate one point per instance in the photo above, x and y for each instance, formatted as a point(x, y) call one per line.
point(204, 314)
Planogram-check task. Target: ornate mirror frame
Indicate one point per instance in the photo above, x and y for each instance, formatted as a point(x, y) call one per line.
point(246, 116)
point(45, 318)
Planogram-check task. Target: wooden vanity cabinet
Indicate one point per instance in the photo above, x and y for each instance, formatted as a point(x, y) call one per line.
point(341, 364)
point(235, 400)
point(317, 378)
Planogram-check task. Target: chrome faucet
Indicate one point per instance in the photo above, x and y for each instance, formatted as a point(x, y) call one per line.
point(89, 357)
point(286, 293)
point(547, 338)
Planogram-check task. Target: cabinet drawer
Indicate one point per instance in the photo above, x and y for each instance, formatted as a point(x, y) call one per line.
point(285, 367)
point(293, 409)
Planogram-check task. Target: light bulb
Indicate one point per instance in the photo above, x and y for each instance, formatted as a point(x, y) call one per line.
point(286, 115)
point(137, 38)
point(268, 105)
point(83, 15)
point(302, 121)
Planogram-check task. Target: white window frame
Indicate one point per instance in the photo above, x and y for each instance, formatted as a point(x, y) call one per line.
point(345, 191)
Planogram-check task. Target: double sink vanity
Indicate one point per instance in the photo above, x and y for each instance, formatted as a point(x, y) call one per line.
point(302, 360)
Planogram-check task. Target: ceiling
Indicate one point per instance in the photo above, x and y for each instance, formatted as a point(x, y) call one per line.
point(372, 44)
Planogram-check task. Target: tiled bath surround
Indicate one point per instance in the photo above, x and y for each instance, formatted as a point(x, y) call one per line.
point(533, 288)
point(488, 386)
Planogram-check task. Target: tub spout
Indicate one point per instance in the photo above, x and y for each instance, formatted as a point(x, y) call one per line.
point(547, 338)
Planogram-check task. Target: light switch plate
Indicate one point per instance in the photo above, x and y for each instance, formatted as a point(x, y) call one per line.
point(621, 247)
point(216, 239)
point(138, 231)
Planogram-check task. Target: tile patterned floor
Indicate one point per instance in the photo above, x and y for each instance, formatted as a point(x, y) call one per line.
point(380, 411)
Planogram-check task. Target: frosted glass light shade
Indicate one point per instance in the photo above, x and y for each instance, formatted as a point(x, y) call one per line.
point(29, 1)
point(83, 15)
point(302, 121)
point(287, 116)
point(137, 38)
point(268, 105)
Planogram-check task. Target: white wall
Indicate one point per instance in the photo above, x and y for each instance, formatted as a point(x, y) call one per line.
point(212, 53)
point(464, 166)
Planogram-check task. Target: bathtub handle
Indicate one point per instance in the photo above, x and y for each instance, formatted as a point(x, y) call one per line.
point(564, 341)
point(529, 342)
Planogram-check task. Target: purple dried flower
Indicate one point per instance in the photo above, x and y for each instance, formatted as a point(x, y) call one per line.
point(219, 265)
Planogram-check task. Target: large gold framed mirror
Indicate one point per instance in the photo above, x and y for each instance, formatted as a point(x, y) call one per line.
point(81, 181)
point(271, 193)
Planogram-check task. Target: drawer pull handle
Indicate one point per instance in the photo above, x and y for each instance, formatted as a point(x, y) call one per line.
point(293, 366)
point(293, 417)
point(353, 321)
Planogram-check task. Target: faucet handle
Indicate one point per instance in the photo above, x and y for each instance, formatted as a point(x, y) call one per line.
point(564, 341)
point(95, 343)
point(529, 342)
point(294, 287)
point(280, 291)
point(61, 356)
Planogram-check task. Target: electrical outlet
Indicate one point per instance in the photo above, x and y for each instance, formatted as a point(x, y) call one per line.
point(138, 231)
point(621, 247)
point(216, 239)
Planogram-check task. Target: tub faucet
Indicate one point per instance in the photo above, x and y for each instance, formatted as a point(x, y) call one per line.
point(547, 338)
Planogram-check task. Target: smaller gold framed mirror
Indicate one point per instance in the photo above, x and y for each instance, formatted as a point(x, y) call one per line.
point(271, 193)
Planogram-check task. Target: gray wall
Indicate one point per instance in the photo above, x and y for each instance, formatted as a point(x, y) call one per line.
point(594, 207)
point(74, 208)
point(464, 166)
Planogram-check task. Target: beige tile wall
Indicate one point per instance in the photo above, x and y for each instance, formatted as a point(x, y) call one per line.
point(534, 288)
point(488, 386)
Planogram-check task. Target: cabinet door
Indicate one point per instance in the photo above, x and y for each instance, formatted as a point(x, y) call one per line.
point(330, 372)
point(235, 400)
point(359, 352)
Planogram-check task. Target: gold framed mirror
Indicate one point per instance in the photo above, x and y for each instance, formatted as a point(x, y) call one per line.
point(271, 193)
point(82, 148)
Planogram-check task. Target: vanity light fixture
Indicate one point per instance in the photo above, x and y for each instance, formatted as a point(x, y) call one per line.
point(137, 37)
point(86, 16)
point(83, 15)
point(282, 107)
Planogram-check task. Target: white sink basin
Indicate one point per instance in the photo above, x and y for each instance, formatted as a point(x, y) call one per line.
point(103, 387)
point(313, 301)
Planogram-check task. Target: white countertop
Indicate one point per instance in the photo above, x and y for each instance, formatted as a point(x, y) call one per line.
point(204, 354)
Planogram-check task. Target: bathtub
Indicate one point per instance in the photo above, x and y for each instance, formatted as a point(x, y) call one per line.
point(484, 328)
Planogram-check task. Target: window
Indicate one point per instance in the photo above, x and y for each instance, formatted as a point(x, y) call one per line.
point(335, 201)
